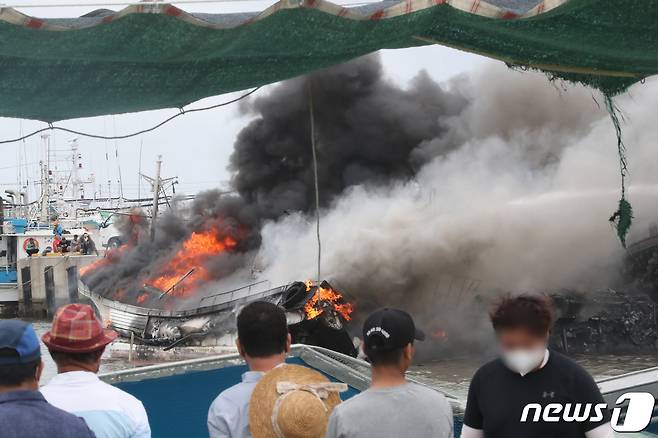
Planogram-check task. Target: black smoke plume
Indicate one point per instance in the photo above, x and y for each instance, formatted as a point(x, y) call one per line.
point(366, 130)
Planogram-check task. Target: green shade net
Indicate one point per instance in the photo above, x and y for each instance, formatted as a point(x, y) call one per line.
point(156, 56)
point(134, 61)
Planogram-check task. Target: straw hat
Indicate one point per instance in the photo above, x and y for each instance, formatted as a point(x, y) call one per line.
point(292, 401)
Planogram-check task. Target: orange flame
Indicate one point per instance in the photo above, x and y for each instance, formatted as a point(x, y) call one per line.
point(191, 256)
point(110, 257)
point(93, 266)
point(326, 296)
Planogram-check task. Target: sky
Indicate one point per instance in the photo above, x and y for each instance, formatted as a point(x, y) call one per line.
point(195, 147)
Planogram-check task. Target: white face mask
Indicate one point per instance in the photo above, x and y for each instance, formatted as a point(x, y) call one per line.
point(523, 361)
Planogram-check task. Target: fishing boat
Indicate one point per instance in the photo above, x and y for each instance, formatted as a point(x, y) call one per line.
point(210, 322)
point(8, 272)
point(18, 240)
point(177, 395)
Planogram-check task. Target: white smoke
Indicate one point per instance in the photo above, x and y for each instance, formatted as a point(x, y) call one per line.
point(521, 203)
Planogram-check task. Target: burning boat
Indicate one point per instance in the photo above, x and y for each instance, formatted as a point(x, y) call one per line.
point(186, 287)
point(316, 315)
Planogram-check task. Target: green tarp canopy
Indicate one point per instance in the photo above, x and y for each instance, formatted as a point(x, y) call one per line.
point(155, 55)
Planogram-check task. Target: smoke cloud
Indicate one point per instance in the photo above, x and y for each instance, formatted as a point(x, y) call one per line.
point(432, 194)
point(513, 195)
point(366, 130)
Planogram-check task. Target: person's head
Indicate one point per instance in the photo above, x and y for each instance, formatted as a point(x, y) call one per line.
point(77, 339)
point(388, 339)
point(20, 357)
point(88, 361)
point(522, 325)
point(262, 332)
point(85, 236)
point(75, 237)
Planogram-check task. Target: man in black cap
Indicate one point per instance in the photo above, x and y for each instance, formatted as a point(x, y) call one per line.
point(392, 407)
point(23, 410)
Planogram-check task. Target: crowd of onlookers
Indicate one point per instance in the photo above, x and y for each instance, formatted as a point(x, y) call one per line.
point(62, 243)
point(280, 400)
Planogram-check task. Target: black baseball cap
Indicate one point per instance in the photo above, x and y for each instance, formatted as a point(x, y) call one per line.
point(18, 336)
point(390, 329)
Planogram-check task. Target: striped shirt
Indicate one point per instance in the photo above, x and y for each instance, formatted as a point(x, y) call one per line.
point(109, 411)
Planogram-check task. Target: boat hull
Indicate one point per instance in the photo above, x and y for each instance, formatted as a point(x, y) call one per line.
point(8, 300)
point(177, 395)
point(214, 324)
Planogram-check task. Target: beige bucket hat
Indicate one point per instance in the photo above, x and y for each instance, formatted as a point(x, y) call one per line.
point(292, 401)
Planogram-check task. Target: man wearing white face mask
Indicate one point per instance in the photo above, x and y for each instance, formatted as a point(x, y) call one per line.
point(528, 373)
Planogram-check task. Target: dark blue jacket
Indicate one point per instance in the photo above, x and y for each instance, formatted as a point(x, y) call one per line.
point(26, 414)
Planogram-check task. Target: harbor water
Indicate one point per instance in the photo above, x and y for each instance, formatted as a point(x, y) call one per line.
point(450, 375)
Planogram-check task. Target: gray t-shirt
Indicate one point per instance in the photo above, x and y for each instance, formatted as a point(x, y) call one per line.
point(409, 410)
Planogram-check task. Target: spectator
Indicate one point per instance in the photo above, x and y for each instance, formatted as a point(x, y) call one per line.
point(293, 401)
point(58, 230)
point(31, 246)
point(76, 343)
point(64, 245)
point(392, 406)
point(526, 373)
point(87, 245)
point(24, 413)
point(75, 244)
point(263, 341)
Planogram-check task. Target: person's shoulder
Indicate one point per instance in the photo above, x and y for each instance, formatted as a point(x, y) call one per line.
point(429, 396)
point(354, 402)
point(231, 397)
point(426, 391)
point(564, 362)
point(119, 394)
point(68, 424)
point(124, 401)
point(568, 366)
point(489, 369)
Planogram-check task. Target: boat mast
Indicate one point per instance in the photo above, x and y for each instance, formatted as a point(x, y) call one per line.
point(156, 195)
point(45, 179)
point(158, 185)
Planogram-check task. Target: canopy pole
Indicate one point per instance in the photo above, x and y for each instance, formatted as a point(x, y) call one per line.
point(315, 179)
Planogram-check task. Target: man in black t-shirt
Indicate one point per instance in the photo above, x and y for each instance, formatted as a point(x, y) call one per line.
point(530, 392)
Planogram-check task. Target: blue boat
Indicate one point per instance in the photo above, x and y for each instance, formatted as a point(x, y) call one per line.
point(10, 229)
point(19, 239)
point(177, 395)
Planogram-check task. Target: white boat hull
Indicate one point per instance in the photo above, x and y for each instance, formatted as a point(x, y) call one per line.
point(8, 293)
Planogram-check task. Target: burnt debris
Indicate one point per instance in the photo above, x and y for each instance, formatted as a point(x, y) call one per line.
point(605, 322)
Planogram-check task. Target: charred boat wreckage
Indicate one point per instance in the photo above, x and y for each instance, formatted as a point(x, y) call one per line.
point(187, 291)
point(316, 314)
point(605, 322)
point(614, 321)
